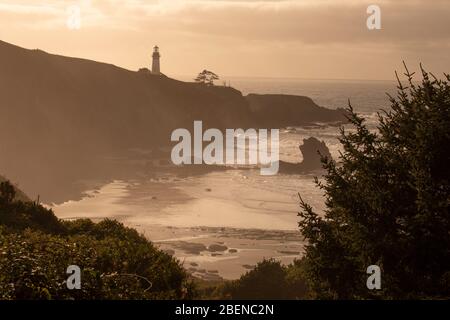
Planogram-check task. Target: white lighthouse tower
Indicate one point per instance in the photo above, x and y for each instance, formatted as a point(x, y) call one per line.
point(155, 64)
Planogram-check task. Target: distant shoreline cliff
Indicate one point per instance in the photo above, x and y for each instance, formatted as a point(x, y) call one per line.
point(282, 110)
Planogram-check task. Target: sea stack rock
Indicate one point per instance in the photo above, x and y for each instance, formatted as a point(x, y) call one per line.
point(311, 149)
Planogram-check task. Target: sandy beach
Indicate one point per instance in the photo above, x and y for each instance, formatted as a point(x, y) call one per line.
point(214, 228)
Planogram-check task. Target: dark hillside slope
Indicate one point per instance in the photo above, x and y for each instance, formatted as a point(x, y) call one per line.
point(58, 114)
point(61, 118)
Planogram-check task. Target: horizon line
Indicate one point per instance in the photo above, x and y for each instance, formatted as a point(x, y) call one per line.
point(285, 78)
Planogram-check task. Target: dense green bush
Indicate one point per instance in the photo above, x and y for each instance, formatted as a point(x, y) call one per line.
point(387, 202)
point(268, 280)
point(116, 262)
point(19, 215)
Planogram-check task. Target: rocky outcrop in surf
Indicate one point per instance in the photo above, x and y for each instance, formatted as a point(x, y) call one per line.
point(312, 149)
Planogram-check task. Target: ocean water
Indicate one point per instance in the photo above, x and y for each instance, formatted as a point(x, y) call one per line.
point(365, 96)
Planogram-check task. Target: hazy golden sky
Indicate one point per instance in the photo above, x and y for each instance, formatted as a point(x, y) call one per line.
point(284, 38)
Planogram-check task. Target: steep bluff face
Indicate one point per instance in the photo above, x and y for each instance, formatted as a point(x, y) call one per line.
point(64, 100)
point(286, 110)
point(62, 118)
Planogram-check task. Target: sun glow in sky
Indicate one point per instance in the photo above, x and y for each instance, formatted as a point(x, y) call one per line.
point(284, 38)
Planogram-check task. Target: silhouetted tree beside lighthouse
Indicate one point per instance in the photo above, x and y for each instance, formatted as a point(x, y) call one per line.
point(206, 77)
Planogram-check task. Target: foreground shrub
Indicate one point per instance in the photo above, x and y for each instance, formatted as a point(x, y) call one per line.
point(387, 202)
point(116, 262)
point(269, 280)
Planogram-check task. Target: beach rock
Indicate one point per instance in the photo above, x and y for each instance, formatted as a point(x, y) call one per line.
point(291, 253)
point(217, 247)
point(213, 271)
point(189, 247)
point(310, 150)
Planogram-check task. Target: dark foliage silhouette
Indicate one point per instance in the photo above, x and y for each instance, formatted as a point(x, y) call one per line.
point(387, 202)
point(116, 262)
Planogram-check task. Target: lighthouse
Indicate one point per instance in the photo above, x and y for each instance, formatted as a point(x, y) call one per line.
point(155, 64)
